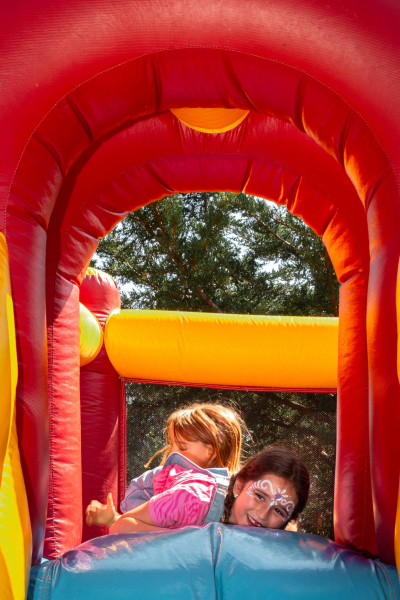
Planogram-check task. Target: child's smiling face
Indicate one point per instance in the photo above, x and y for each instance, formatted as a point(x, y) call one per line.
point(268, 502)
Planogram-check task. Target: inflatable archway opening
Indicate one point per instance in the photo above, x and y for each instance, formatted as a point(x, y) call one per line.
point(98, 139)
point(353, 273)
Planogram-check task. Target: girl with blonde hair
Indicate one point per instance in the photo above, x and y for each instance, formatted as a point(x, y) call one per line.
point(203, 445)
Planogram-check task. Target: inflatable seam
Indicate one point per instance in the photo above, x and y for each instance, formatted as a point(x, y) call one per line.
point(218, 386)
point(298, 104)
point(47, 145)
point(388, 580)
point(79, 116)
point(342, 138)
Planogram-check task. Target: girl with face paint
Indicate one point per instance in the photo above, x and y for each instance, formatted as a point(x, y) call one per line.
point(270, 490)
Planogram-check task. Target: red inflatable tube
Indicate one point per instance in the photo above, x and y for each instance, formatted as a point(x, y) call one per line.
point(100, 406)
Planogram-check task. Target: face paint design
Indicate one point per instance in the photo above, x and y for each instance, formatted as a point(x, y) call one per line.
point(278, 497)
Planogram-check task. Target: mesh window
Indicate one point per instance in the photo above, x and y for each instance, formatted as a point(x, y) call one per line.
point(304, 423)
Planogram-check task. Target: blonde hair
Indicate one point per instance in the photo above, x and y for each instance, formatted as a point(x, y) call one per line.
point(219, 426)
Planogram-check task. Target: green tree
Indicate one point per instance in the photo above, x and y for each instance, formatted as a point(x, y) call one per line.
point(222, 252)
point(214, 252)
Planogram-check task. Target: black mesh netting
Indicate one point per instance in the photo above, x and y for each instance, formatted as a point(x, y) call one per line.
point(304, 423)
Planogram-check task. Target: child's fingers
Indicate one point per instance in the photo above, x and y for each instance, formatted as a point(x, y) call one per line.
point(95, 505)
point(91, 509)
point(110, 503)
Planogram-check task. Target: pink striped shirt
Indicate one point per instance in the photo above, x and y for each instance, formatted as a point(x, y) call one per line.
point(181, 497)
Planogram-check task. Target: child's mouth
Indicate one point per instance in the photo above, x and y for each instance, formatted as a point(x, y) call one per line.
point(253, 522)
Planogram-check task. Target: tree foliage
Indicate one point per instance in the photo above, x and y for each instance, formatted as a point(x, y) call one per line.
point(214, 252)
point(222, 252)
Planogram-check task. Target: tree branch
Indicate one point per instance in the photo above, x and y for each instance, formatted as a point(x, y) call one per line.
point(207, 300)
point(295, 406)
point(278, 237)
point(280, 222)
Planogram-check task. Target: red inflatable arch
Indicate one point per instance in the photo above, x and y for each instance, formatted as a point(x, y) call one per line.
point(87, 136)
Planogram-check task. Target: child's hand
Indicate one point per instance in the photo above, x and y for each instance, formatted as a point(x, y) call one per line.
point(101, 514)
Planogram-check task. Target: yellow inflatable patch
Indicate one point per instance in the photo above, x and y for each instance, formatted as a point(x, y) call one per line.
point(210, 120)
point(91, 336)
point(294, 353)
point(15, 530)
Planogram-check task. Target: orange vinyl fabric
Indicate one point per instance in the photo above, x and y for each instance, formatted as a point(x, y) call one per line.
point(64, 106)
point(297, 353)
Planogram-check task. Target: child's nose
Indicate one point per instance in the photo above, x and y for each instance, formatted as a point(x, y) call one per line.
point(263, 512)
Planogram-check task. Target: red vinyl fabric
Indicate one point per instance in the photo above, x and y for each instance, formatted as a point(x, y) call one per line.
point(100, 408)
point(84, 81)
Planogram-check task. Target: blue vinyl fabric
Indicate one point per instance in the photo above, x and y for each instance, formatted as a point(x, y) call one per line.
point(213, 562)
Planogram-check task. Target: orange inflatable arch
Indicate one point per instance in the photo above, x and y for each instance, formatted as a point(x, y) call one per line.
point(92, 128)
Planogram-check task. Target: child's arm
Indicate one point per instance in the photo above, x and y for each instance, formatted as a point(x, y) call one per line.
point(138, 519)
point(185, 503)
point(131, 525)
point(140, 513)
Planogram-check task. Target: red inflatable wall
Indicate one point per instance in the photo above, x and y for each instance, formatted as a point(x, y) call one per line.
point(321, 82)
point(100, 406)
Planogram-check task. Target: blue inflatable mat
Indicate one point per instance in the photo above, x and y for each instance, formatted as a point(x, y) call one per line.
point(213, 562)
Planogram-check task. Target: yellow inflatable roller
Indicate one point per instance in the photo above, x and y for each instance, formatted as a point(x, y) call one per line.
point(15, 529)
point(294, 353)
point(91, 335)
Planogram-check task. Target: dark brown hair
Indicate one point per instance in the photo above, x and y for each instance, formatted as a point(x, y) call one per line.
point(214, 424)
point(273, 460)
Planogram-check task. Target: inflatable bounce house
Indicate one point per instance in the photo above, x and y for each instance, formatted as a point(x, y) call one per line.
point(107, 106)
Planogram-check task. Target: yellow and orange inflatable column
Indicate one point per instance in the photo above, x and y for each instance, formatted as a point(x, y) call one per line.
point(15, 529)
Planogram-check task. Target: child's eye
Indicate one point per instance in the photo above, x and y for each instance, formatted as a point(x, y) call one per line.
point(260, 497)
point(280, 513)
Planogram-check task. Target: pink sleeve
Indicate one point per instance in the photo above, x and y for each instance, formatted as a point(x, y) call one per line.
point(186, 503)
